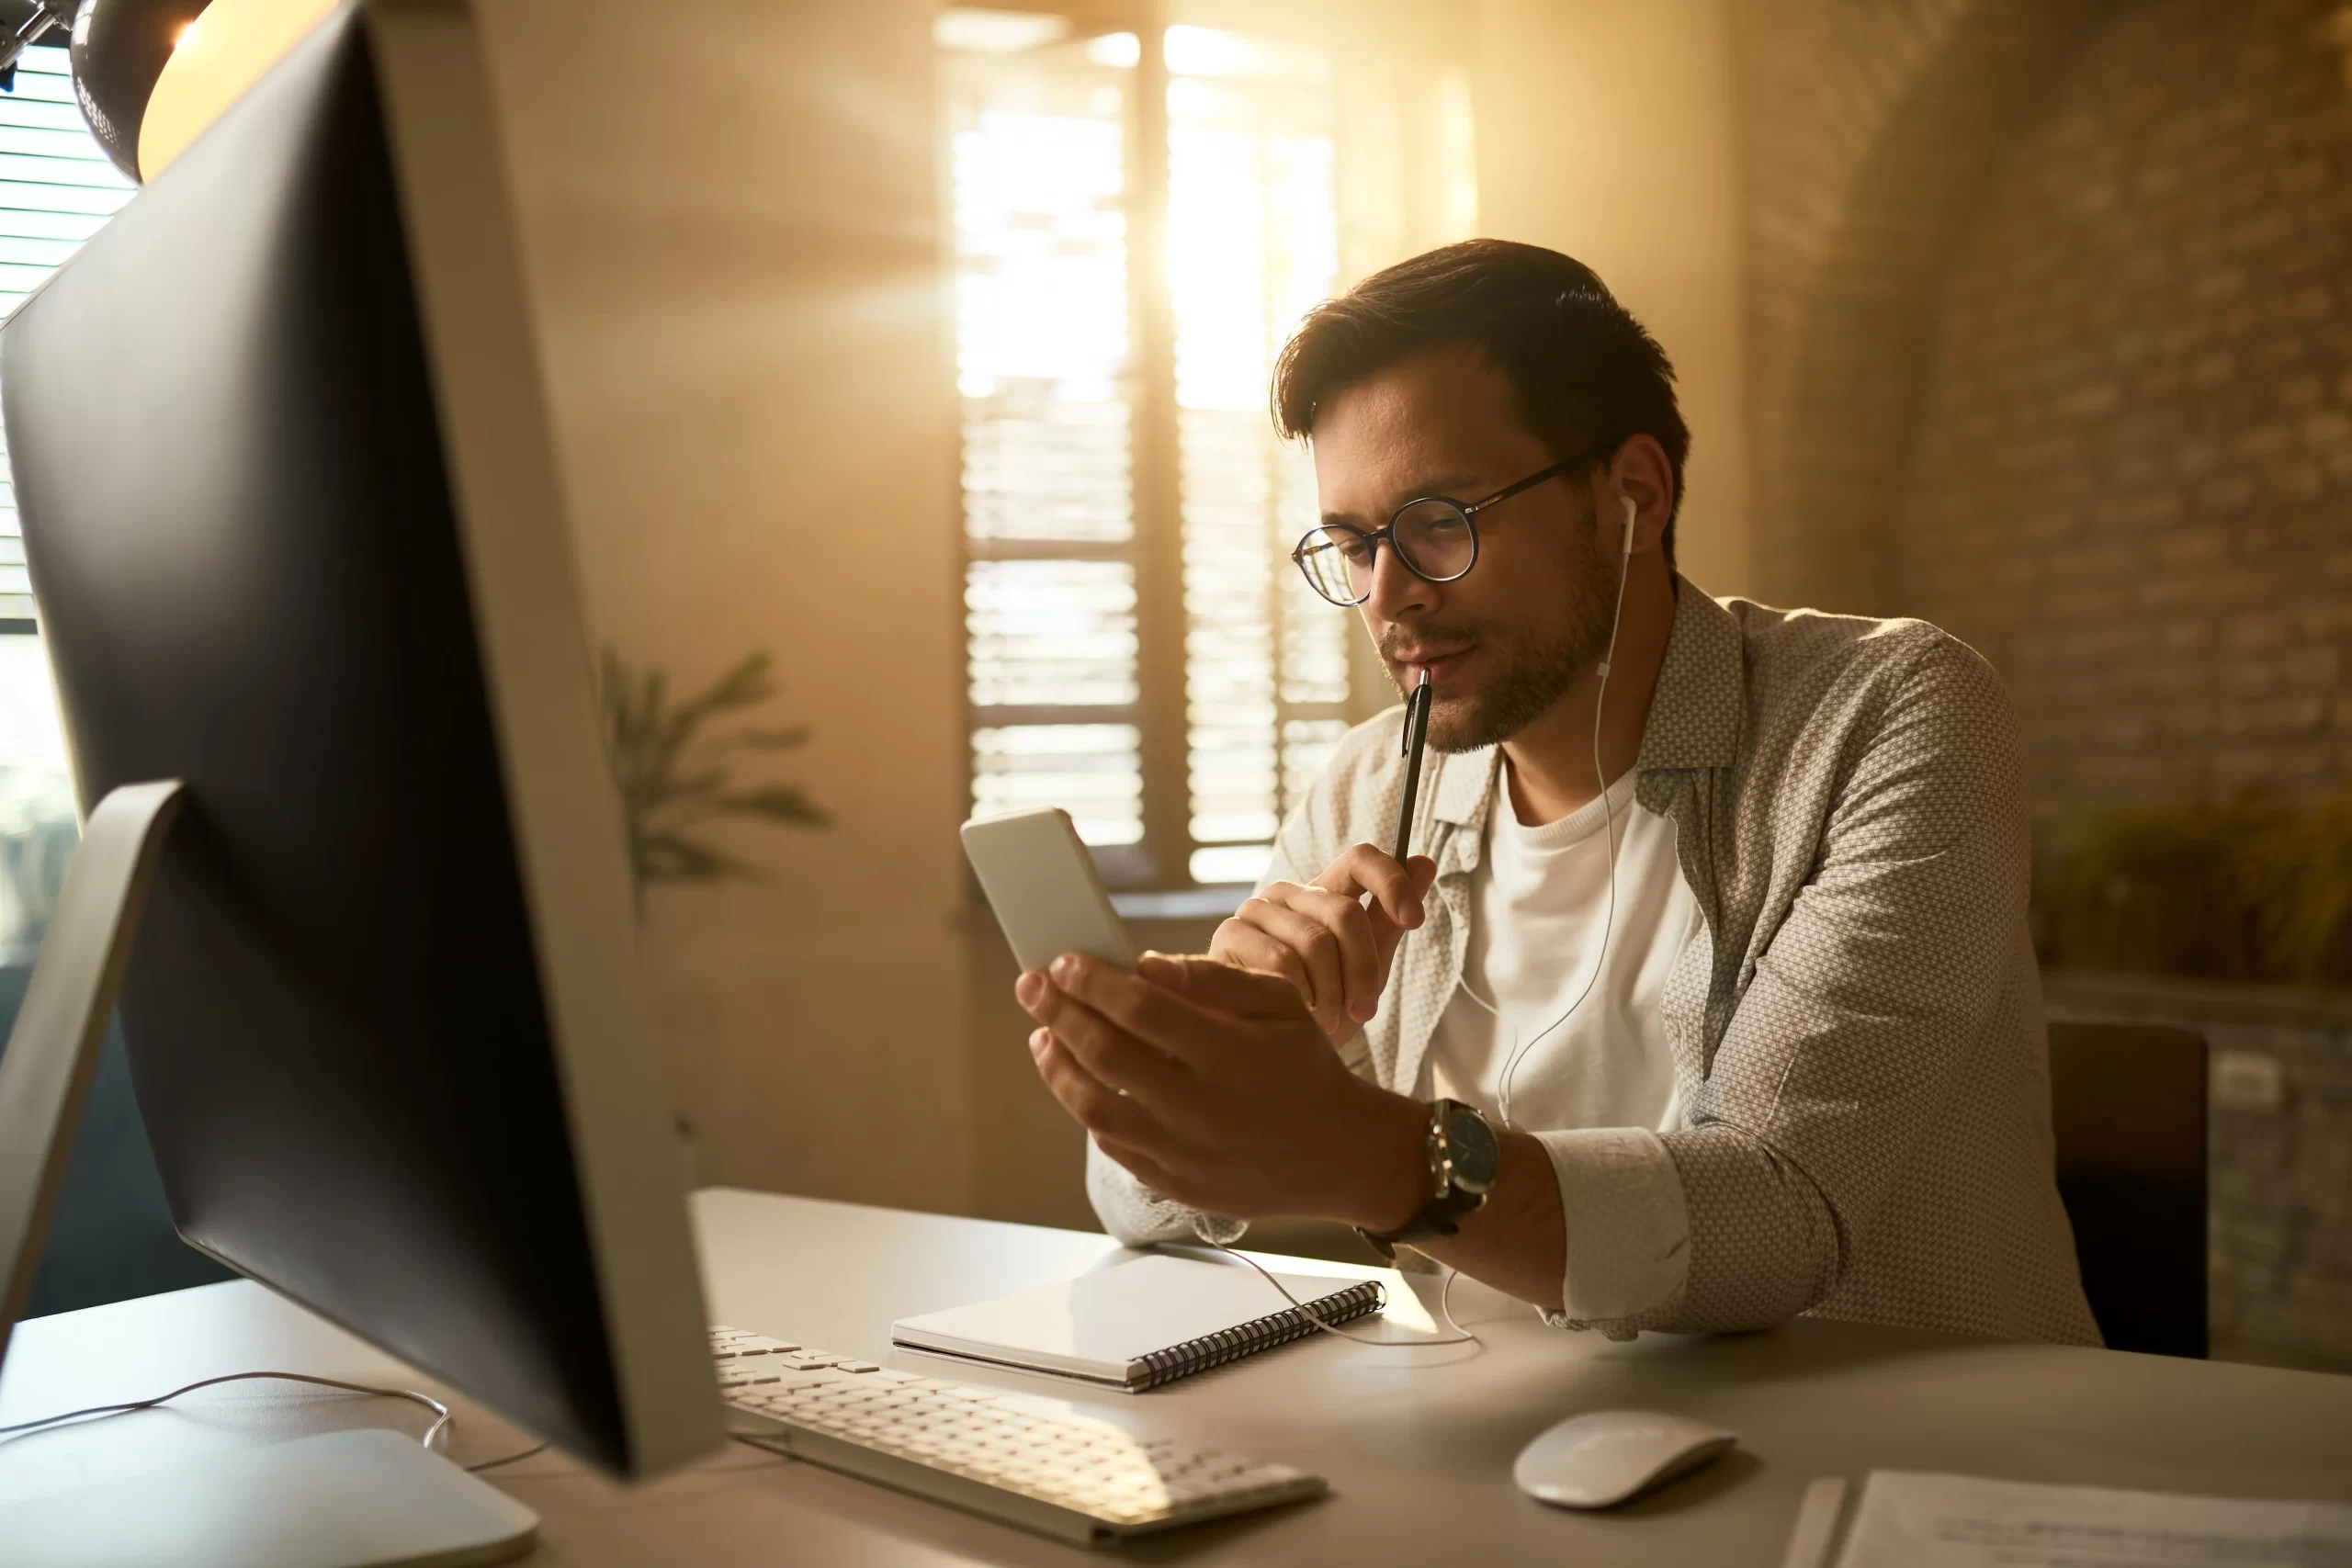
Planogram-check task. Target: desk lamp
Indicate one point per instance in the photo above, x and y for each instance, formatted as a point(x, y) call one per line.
point(151, 74)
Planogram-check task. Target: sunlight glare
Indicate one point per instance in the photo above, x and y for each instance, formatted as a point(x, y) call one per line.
point(1121, 52)
point(975, 31)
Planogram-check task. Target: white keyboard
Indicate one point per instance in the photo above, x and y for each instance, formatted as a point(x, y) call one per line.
point(1030, 1463)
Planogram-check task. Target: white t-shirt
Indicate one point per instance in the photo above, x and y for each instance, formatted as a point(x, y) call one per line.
point(1539, 898)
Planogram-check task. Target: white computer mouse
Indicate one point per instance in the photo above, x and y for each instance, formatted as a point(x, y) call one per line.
point(1604, 1457)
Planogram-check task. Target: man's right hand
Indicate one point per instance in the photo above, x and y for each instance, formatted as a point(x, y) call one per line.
point(1324, 940)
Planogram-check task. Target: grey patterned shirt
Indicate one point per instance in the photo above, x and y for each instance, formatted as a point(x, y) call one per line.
point(1856, 1029)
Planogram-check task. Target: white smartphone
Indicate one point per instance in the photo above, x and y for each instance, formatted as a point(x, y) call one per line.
point(1042, 885)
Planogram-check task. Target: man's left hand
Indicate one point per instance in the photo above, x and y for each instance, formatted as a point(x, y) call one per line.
point(1216, 1088)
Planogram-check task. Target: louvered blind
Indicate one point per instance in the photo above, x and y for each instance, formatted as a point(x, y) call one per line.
point(1253, 244)
point(1039, 170)
point(1040, 161)
point(56, 190)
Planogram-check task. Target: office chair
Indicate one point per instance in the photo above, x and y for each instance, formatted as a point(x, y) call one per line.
point(2127, 1104)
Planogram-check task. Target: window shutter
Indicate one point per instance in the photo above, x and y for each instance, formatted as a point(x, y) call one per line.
point(1037, 162)
point(1051, 386)
point(1254, 232)
point(56, 190)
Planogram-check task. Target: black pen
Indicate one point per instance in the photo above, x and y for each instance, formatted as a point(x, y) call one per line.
point(1416, 730)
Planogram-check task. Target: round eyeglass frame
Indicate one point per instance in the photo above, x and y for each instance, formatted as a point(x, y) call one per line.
point(1468, 510)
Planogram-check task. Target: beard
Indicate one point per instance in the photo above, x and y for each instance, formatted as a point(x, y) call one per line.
point(1533, 668)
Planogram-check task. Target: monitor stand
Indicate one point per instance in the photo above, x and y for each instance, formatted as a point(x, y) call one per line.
point(353, 1499)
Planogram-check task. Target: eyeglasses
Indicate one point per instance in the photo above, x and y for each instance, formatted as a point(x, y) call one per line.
point(1433, 535)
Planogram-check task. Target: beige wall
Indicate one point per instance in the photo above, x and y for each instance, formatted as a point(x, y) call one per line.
point(1605, 129)
point(729, 220)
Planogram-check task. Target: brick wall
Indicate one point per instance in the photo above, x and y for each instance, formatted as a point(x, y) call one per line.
point(1870, 130)
point(2132, 486)
point(2050, 322)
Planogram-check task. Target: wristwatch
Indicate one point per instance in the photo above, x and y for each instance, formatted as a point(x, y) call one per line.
point(1465, 1160)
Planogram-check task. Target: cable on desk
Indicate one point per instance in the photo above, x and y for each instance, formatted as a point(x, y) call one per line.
point(505, 1460)
point(442, 1417)
point(747, 1439)
point(1461, 1336)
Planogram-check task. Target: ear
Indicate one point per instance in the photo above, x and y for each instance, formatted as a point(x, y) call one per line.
point(1640, 473)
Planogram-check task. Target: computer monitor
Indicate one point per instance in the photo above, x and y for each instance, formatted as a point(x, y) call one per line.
point(290, 510)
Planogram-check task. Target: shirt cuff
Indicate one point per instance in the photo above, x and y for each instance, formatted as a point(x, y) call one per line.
point(1138, 1216)
point(1627, 1240)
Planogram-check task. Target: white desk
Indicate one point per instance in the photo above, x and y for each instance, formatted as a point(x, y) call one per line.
point(1418, 1445)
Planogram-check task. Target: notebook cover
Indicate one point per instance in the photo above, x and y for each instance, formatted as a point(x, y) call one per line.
point(1138, 1325)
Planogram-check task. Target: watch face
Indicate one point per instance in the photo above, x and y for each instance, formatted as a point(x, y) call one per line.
point(1470, 1144)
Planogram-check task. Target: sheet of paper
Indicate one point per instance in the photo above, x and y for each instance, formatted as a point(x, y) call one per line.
point(1909, 1519)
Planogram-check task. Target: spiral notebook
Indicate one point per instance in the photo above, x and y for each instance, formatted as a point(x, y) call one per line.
point(1139, 1325)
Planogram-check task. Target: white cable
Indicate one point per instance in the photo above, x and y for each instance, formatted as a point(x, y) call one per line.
point(1444, 1296)
point(1608, 840)
point(442, 1417)
point(503, 1460)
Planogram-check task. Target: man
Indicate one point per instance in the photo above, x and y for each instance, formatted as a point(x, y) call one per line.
point(1781, 1053)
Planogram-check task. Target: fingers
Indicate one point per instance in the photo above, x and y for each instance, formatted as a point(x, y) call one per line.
point(1387, 933)
point(1211, 983)
point(1239, 942)
point(1397, 890)
point(1151, 1013)
point(1323, 939)
point(1108, 1053)
point(1351, 933)
point(1096, 1106)
point(1328, 937)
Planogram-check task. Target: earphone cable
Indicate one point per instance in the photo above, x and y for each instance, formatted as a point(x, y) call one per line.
point(1459, 1335)
point(1608, 840)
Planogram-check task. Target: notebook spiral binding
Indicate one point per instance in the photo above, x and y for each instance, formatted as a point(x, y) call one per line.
point(1260, 1334)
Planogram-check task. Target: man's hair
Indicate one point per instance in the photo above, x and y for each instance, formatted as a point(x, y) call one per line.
point(1582, 371)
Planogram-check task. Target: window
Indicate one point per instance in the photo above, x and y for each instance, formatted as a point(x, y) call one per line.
point(56, 190)
point(1139, 651)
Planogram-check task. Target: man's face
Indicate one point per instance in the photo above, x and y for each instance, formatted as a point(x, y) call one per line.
point(1503, 644)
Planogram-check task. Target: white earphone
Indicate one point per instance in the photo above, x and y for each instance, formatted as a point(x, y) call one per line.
point(1607, 825)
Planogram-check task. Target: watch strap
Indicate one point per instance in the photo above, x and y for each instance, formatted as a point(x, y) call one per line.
point(1439, 1217)
point(1450, 1205)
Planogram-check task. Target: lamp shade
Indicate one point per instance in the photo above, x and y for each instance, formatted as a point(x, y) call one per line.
point(220, 55)
point(118, 49)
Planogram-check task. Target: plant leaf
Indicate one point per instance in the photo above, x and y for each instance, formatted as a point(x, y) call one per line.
point(775, 803)
point(670, 772)
point(673, 857)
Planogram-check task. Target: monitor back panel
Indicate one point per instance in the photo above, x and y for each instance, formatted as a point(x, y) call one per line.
point(241, 537)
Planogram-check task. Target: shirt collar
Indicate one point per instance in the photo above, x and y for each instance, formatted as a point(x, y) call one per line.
point(1701, 693)
point(1694, 711)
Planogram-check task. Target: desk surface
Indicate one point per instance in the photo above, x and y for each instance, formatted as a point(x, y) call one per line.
point(1418, 1444)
